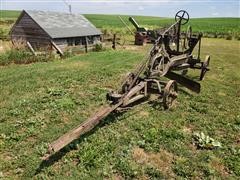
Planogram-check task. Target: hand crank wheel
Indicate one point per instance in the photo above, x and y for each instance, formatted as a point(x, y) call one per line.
point(169, 94)
point(182, 16)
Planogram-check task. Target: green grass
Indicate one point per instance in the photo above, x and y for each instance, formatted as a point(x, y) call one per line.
point(9, 14)
point(41, 101)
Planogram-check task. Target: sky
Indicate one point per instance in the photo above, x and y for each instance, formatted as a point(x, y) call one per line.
point(161, 8)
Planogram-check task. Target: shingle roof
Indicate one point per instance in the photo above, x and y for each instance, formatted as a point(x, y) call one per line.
point(63, 25)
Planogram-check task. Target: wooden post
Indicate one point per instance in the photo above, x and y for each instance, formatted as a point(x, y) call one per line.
point(125, 24)
point(114, 42)
point(86, 44)
point(31, 48)
point(57, 48)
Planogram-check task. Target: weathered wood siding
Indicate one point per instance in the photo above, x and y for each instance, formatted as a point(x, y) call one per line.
point(26, 29)
point(76, 42)
point(61, 43)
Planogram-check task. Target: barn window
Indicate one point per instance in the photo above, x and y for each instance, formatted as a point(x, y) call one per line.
point(96, 39)
point(78, 41)
point(90, 40)
point(70, 42)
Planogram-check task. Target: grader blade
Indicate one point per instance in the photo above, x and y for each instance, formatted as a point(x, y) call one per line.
point(188, 83)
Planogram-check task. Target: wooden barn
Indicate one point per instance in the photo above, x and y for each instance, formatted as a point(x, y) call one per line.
point(42, 30)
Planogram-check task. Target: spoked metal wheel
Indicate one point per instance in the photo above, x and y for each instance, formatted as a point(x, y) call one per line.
point(160, 64)
point(169, 94)
point(163, 66)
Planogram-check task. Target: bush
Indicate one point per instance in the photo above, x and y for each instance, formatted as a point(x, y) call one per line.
point(67, 54)
point(98, 47)
point(4, 59)
point(228, 37)
point(21, 56)
point(3, 34)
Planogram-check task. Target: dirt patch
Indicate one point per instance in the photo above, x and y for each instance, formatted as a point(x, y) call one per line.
point(65, 118)
point(117, 177)
point(188, 129)
point(6, 156)
point(221, 93)
point(130, 47)
point(143, 178)
point(144, 114)
point(31, 139)
point(161, 160)
point(219, 167)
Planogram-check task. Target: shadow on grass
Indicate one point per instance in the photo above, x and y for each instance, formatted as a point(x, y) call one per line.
point(58, 155)
point(185, 91)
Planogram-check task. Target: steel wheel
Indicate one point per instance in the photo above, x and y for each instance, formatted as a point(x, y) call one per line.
point(169, 94)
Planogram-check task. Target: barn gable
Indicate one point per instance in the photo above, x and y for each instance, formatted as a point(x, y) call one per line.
point(26, 29)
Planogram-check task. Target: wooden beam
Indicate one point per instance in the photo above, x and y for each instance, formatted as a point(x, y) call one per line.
point(31, 48)
point(84, 127)
point(125, 24)
point(57, 48)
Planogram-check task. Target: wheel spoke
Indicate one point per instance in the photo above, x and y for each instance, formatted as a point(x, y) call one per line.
point(183, 14)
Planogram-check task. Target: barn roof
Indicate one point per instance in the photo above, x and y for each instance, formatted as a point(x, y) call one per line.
point(63, 25)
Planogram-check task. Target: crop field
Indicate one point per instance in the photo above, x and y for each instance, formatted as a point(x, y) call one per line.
point(228, 28)
point(215, 27)
point(41, 101)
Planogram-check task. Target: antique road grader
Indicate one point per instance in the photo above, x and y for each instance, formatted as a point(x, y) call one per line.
point(169, 58)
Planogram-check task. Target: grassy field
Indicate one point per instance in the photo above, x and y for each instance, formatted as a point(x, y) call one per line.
point(211, 27)
point(41, 101)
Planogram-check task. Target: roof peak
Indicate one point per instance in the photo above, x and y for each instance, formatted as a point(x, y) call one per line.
point(51, 12)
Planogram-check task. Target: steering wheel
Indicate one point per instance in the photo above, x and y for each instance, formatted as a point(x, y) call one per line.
point(182, 16)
